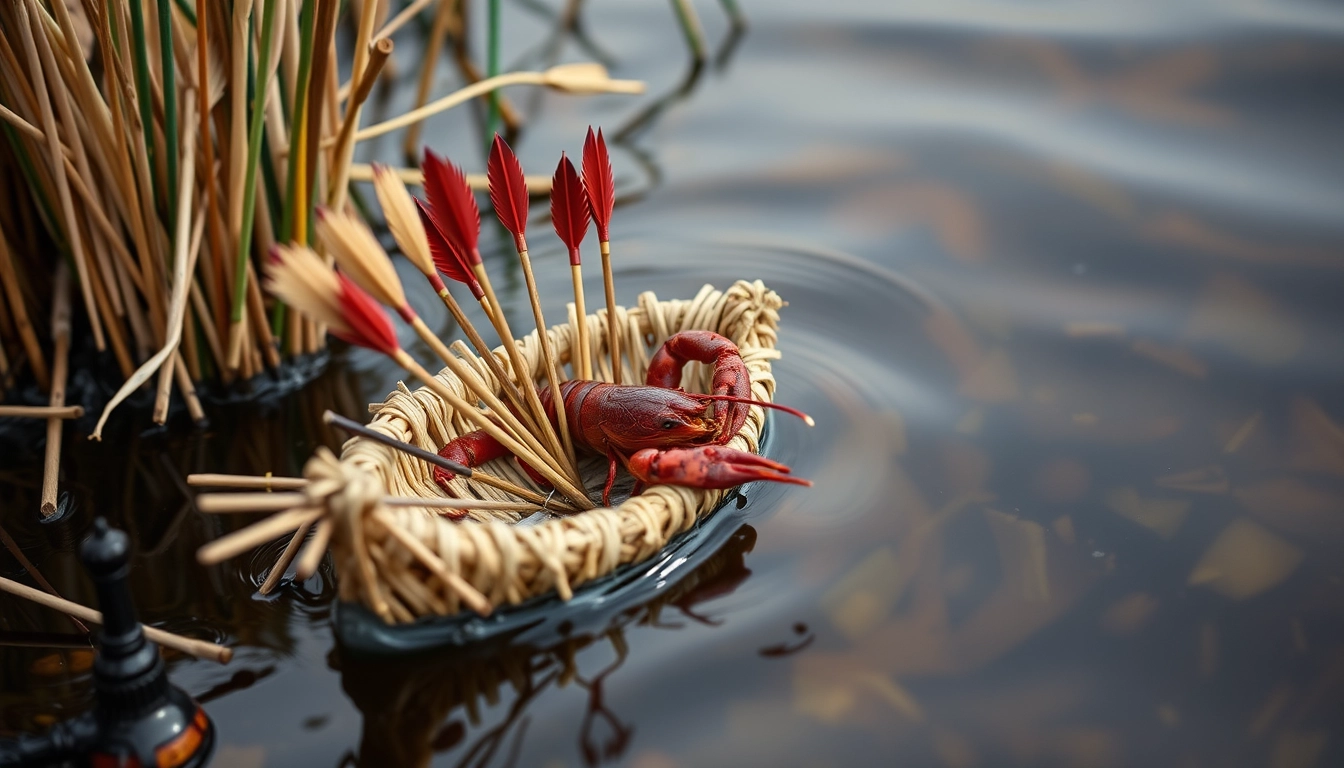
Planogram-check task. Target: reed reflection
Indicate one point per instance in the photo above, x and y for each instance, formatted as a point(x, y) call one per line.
point(472, 704)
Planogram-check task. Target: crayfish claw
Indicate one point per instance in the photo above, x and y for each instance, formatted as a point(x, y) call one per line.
point(708, 467)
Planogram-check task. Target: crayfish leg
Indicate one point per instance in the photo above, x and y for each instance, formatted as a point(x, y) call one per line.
point(470, 450)
point(611, 478)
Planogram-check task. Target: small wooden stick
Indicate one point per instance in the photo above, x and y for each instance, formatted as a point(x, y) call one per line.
point(446, 503)
point(60, 333)
point(581, 359)
point(240, 541)
point(315, 549)
point(345, 139)
point(245, 503)
point(42, 411)
point(286, 557)
point(267, 482)
point(354, 427)
point(225, 503)
point(198, 648)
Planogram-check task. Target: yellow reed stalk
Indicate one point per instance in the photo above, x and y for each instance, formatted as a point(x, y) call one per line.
point(582, 78)
point(60, 337)
point(362, 73)
point(58, 172)
point(9, 279)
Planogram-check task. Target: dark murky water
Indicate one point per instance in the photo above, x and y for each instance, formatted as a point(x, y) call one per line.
point(1064, 286)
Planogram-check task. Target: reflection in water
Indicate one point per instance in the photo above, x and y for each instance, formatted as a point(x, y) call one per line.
point(454, 703)
point(138, 481)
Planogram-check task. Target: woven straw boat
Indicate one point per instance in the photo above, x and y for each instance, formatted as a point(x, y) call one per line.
point(404, 563)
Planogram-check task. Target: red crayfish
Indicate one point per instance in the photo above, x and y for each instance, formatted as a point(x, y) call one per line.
point(661, 433)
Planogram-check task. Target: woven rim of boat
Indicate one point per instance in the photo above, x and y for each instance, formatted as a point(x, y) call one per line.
point(404, 563)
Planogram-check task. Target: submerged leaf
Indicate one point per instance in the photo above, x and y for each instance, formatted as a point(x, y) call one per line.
point(1245, 560)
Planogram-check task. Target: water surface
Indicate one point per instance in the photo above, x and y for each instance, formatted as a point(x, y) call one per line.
point(1063, 284)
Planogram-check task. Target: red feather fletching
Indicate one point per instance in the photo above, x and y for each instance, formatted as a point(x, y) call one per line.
point(454, 204)
point(447, 258)
point(369, 325)
point(508, 189)
point(569, 207)
point(597, 182)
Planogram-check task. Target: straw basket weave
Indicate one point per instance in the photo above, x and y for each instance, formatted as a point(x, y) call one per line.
point(407, 562)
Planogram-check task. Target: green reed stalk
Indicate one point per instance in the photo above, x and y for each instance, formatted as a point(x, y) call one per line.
point(144, 97)
point(169, 81)
point(690, 27)
point(253, 160)
point(186, 10)
point(492, 69)
point(298, 119)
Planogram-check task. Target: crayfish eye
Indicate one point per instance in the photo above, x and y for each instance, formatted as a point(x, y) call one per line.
point(669, 424)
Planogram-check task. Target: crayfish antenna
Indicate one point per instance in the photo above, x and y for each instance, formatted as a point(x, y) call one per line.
point(808, 420)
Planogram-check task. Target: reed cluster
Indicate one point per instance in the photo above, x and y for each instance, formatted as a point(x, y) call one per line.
point(161, 148)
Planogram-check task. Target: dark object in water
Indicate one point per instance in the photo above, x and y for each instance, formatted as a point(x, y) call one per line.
point(138, 718)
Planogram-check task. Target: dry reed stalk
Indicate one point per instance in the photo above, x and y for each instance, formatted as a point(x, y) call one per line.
point(215, 278)
point(183, 265)
point(345, 139)
point(323, 31)
point(245, 481)
point(238, 542)
point(60, 337)
point(187, 387)
point(197, 648)
point(58, 169)
point(242, 11)
point(362, 73)
point(188, 248)
point(433, 50)
point(581, 78)
point(13, 295)
point(42, 411)
point(406, 14)
point(252, 503)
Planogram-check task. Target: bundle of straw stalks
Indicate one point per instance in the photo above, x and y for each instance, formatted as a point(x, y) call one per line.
point(160, 148)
